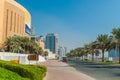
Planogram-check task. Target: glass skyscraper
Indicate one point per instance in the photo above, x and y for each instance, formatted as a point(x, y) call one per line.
point(51, 42)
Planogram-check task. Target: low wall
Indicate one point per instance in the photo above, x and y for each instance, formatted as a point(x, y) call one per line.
point(23, 58)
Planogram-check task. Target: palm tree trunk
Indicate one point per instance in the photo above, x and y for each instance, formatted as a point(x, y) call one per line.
point(119, 55)
point(102, 55)
point(86, 56)
point(92, 56)
point(82, 58)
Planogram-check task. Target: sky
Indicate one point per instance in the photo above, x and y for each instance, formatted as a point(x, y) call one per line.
point(77, 22)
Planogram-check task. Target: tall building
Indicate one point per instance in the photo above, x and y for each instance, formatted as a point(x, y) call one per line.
point(14, 20)
point(51, 42)
point(62, 51)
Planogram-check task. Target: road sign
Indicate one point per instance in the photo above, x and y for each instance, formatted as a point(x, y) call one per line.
point(33, 57)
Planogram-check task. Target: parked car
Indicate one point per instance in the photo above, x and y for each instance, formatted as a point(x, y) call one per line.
point(64, 59)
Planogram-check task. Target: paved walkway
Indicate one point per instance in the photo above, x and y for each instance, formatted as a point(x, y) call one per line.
point(62, 71)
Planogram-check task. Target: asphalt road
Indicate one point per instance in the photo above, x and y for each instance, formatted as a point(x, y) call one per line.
point(97, 71)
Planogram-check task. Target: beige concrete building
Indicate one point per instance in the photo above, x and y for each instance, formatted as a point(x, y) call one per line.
point(50, 54)
point(41, 44)
point(13, 19)
point(38, 41)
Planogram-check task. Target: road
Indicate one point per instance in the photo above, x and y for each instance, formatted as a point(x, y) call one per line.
point(97, 71)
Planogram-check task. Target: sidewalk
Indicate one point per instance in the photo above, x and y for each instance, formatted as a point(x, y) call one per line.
point(62, 71)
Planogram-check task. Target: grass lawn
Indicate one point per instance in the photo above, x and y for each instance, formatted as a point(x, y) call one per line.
point(109, 63)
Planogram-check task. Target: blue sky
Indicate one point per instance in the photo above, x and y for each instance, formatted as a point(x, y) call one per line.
point(76, 22)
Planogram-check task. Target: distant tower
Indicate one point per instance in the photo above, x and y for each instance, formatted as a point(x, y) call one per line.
point(51, 42)
point(62, 51)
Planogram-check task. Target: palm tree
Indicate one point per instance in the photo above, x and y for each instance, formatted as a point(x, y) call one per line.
point(92, 49)
point(86, 50)
point(102, 43)
point(45, 54)
point(14, 44)
point(81, 52)
point(19, 44)
point(73, 53)
point(25, 43)
point(116, 34)
point(9, 42)
point(70, 55)
point(77, 52)
point(2, 47)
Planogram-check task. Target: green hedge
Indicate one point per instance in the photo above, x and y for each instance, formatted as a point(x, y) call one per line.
point(9, 75)
point(33, 72)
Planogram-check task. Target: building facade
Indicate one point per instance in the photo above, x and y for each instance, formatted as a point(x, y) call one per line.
point(14, 20)
point(114, 52)
point(38, 41)
point(51, 42)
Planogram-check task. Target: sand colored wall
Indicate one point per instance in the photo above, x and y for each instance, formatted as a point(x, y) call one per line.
point(12, 19)
point(1, 19)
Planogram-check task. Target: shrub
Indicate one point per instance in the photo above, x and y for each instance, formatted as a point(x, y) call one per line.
point(9, 75)
point(86, 59)
point(33, 72)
